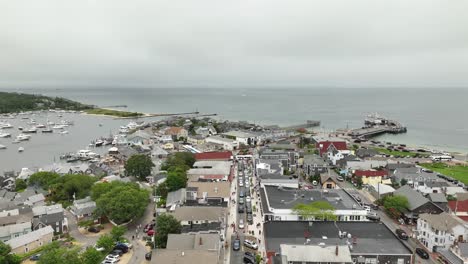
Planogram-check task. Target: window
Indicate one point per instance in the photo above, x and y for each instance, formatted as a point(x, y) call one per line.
point(371, 261)
point(26, 249)
point(436, 240)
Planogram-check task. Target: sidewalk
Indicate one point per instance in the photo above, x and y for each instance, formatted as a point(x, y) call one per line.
point(231, 218)
point(257, 219)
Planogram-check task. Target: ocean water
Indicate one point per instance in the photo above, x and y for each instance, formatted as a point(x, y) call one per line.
point(435, 118)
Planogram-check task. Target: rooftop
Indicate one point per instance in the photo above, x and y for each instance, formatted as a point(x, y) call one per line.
point(212, 189)
point(370, 237)
point(313, 159)
point(286, 198)
point(52, 209)
point(29, 237)
point(199, 213)
point(225, 155)
point(437, 197)
point(193, 241)
point(316, 253)
point(173, 256)
point(458, 206)
point(443, 221)
point(415, 199)
point(239, 134)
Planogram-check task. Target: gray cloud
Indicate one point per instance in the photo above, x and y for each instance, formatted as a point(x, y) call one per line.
point(238, 43)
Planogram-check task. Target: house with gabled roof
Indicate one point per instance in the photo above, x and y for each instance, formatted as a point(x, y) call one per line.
point(32, 240)
point(459, 208)
point(418, 204)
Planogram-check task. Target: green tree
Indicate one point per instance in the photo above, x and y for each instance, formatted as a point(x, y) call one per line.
point(395, 205)
point(85, 223)
point(20, 185)
point(6, 256)
point(166, 224)
point(43, 179)
point(60, 255)
point(122, 202)
point(106, 242)
point(68, 185)
point(359, 182)
point(139, 165)
point(179, 160)
point(176, 179)
point(91, 256)
point(403, 182)
point(162, 190)
point(117, 232)
point(319, 210)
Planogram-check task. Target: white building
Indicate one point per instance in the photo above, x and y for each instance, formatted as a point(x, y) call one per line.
point(242, 137)
point(280, 202)
point(440, 231)
point(226, 143)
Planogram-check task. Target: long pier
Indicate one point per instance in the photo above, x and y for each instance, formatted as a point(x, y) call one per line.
point(367, 132)
point(308, 124)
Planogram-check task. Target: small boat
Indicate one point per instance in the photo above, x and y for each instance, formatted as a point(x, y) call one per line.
point(5, 135)
point(30, 130)
point(23, 137)
point(58, 127)
point(2, 147)
point(20, 149)
point(40, 126)
point(50, 123)
point(98, 143)
point(5, 125)
point(63, 132)
point(20, 128)
point(72, 159)
point(48, 130)
point(16, 141)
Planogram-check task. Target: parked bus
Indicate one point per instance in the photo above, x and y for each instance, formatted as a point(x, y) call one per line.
point(441, 158)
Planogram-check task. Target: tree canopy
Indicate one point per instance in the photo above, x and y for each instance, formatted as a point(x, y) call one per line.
point(43, 179)
point(176, 165)
point(179, 160)
point(166, 224)
point(117, 232)
point(106, 242)
point(20, 185)
point(139, 165)
point(68, 185)
point(120, 202)
point(318, 210)
point(6, 256)
point(395, 205)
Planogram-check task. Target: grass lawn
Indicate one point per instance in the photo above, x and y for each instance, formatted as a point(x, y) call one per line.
point(458, 172)
point(397, 153)
point(110, 112)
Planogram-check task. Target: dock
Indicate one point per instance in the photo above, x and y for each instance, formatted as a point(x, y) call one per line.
point(376, 125)
point(308, 124)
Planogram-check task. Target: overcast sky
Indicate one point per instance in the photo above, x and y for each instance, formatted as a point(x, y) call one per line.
point(250, 43)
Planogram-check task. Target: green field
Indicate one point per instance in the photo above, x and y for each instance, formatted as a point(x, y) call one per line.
point(458, 172)
point(397, 153)
point(110, 112)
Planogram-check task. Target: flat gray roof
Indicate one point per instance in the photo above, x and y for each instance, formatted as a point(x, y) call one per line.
point(287, 198)
point(370, 237)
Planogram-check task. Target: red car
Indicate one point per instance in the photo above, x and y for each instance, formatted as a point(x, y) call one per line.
point(150, 232)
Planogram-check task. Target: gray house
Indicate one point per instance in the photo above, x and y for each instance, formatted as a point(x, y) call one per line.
point(12, 231)
point(418, 204)
point(52, 215)
point(314, 164)
point(83, 208)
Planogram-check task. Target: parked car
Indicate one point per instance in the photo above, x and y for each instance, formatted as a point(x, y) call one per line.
point(250, 244)
point(422, 253)
point(236, 244)
point(122, 247)
point(240, 208)
point(241, 223)
point(150, 232)
point(108, 261)
point(373, 217)
point(249, 218)
point(250, 254)
point(116, 252)
point(241, 200)
point(112, 258)
point(94, 229)
point(35, 257)
point(248, 199)
point(148, 255)
point(100, 249)
point(249, 259)
point(339, 178)
point(126, 244)
point(401, 234)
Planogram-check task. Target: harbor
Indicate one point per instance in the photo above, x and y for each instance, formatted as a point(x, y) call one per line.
point(376, 125)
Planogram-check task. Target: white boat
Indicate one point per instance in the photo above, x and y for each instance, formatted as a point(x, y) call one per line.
point(30, 130)
point(16, 141)
point(23, 137)
point(50, 123)
point(63, 132)
point(58, 127)
point(20, 149)
point(40, 126)
point(5, 135)
point(5, 125)
point(2, 147)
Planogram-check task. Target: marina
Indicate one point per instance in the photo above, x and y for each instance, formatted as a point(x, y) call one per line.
point(376, 125)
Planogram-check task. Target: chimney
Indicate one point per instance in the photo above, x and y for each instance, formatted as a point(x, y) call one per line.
point(336, 251)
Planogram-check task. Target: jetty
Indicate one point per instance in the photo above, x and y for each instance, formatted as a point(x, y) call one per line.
point(146, 115)
point(308, 124)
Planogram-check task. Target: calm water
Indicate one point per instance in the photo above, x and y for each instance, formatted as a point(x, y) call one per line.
point(434, 117)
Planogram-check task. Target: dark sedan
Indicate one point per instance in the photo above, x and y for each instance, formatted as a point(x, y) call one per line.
point(236, 245)
point(422, 253)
